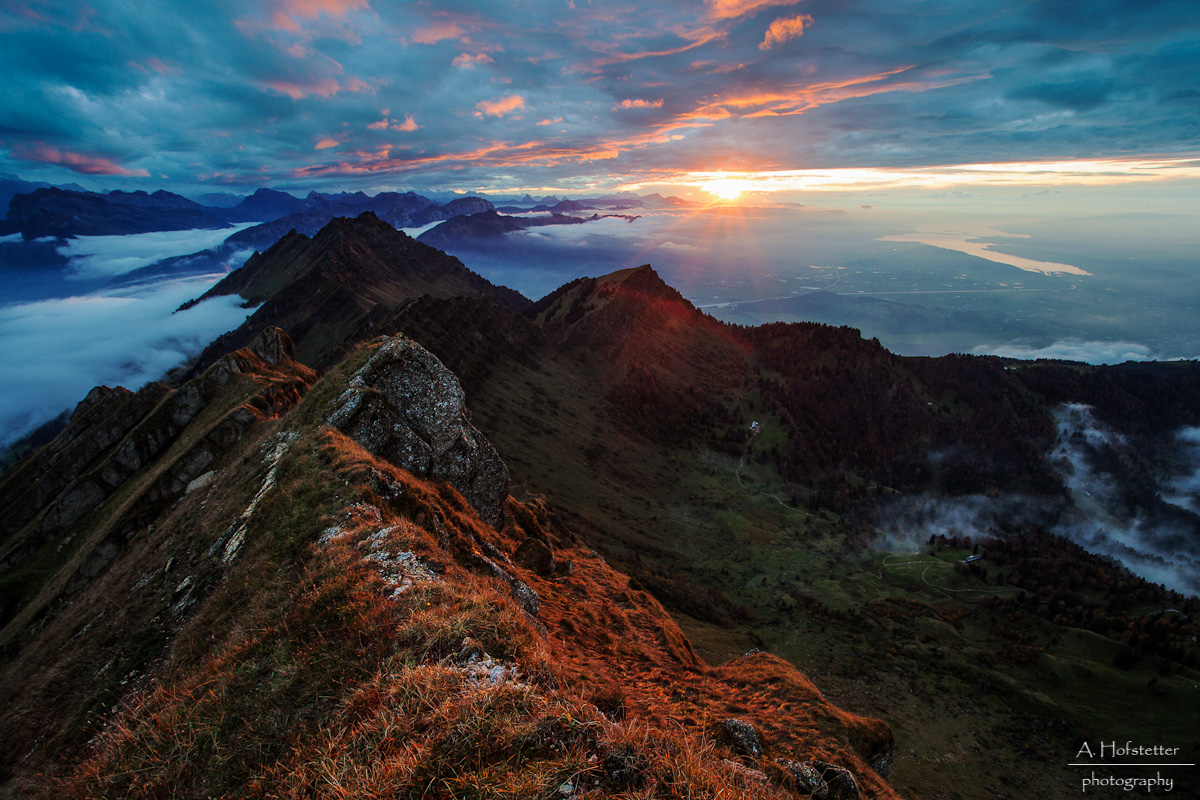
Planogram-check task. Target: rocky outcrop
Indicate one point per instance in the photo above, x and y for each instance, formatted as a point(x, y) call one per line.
point(405, 406)
point(742, 737)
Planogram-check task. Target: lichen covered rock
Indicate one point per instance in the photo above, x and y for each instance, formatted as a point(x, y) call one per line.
point(405, 406)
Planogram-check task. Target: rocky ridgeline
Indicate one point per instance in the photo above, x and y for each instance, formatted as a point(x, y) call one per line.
point(115, 434)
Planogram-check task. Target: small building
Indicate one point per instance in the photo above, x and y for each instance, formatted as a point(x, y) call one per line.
point(969, 559)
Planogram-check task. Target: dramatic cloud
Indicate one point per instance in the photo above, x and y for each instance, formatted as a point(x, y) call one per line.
point(59, 349)
point(150, 97)
point(783, 29)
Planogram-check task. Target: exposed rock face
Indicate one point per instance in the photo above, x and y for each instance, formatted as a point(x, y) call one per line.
point(841, 782)
point(881, 754)
point(808, 780)
point(405, 406)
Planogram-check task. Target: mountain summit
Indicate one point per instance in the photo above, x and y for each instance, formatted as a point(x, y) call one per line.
point(321, 289)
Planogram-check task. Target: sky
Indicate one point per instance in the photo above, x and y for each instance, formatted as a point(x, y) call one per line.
point(574, 97)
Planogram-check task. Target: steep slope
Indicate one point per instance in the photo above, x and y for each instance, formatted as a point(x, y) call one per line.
point(321, 289)
point(121, 460)
point(312, 618)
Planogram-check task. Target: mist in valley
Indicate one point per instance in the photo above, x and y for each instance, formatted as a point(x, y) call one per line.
point(1151, 529)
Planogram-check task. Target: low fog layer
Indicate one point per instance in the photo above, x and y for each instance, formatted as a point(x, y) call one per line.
point(1078, 350)
point(109, 256)
point(1162, 548)
point(57, 350)
point(1183, 490)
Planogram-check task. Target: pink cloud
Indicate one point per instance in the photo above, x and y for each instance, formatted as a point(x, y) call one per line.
point(325, 87)
point(437, 32)
point(549, 121)
point(784, 28)
point(325, 144)
point(288, 16)
point(384, 124)
point(639, 103)
point(158, 66)
point(467, 61)
point(76, 162)
point(499, 107)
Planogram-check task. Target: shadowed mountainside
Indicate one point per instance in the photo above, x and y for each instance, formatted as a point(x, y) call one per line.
point(320, 290)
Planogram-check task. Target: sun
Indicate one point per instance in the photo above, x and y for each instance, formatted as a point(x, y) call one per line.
point(727, 188)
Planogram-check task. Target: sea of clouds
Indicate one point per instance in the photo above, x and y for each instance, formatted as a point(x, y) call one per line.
point(56, 350)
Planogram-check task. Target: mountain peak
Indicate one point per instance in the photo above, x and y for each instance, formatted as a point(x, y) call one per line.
point(321, 289)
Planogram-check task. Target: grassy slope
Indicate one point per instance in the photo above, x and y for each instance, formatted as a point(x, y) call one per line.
point(300, 670)
point(878, 641)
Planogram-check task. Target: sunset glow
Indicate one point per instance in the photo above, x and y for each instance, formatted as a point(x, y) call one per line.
point(730, 186)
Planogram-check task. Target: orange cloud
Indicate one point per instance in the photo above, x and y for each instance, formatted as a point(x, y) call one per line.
point(325, 144)
point(549, 121)
point(797, 99)
point(409, 124)
point(76, 162)
point(728, 9)
point(785, 28)
point(640, 103)
point(467, 61)
point(499, 107)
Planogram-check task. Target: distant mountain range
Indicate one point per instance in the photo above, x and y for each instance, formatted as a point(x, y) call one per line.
point(36, 210)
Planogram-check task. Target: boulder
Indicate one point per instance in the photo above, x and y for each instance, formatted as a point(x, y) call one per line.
point(742, 737)
point(841, 782)
point(405, 406)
